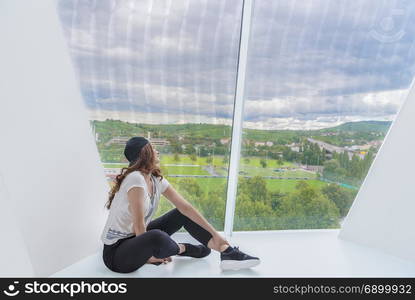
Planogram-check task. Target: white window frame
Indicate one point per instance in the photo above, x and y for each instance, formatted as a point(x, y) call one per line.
point(237, 122)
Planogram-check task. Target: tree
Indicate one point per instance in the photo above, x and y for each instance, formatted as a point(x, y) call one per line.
point(176, 157)
point(331, 166)
point(263, 163)
point(307, 207)
point(212, 206)
point(209, 160)
point(255, 188)
point(191, 187)
point(332, 170)
point(175, 147)
point(275, 199)
point(193, 157)
point(342, 197)
point(189, 149)
point(252, 215)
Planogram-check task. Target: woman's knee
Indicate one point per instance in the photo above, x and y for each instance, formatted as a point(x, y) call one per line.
point(157, 235)
point(156, 232)
point(164, 245)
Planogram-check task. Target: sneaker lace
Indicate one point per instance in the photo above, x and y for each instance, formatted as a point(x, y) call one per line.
point(239, 253)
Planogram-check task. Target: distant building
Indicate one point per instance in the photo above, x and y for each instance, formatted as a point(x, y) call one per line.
point(224, 141)
point(267, 143)
point(359, 147)
point(329, 133)
point(118, 140)
point(159, 142)
point(294, 147)
point(122, 140)
point(376, 143)
point(313, 168)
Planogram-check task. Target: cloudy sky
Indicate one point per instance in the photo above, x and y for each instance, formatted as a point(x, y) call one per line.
point(311, 63)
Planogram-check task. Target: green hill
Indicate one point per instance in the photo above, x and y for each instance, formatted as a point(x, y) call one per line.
point(197, 132)
point(362, 126)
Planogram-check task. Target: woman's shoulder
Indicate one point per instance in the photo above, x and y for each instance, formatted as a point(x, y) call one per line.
point(139, 175)
point(133, 179)
point(135, 175)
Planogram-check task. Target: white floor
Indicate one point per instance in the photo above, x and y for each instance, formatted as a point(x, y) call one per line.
point(291, 253)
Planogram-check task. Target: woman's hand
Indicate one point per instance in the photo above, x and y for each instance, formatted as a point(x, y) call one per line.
point(159, 260)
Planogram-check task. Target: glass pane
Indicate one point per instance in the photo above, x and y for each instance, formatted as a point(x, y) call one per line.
point(165, 70)
point(325, 80)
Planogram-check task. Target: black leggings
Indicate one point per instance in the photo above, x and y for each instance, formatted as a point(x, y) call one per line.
point(128, 254)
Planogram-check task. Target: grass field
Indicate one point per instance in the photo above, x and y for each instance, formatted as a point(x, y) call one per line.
point(252, 168)
point(114, 165)
point(287, 185)
point(283, 185)
point(273, 185)
point(207, 184)
point(271, 163)
point(259, 171)
point(218, 161)
point(185, 159)
point(185, 170)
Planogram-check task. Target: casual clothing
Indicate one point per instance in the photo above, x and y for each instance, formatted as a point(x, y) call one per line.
point(119, 224)
point(128, 254)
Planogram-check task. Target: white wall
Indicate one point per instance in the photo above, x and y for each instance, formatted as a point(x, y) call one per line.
point(13, 245)
point(55, 184)
point(382, 215)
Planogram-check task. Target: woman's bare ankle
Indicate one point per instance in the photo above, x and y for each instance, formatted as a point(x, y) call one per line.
point(182, 248)
point(223, 247)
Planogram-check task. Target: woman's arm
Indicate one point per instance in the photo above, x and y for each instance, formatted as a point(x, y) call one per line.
point(188, 210)
point(136, 200)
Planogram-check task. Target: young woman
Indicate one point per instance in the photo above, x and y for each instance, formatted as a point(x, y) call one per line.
point(131, 238)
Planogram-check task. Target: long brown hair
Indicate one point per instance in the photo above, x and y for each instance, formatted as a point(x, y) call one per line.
point(145, 163)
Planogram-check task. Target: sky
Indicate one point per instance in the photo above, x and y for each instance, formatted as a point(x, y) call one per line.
point(311, 63)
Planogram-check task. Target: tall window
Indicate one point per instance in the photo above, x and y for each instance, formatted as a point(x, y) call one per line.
point(325, 79)
point(164, 70)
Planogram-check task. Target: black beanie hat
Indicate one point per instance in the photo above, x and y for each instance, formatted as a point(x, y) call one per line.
point(133, 148)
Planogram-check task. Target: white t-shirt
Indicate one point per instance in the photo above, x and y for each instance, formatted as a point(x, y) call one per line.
point(120, 221)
